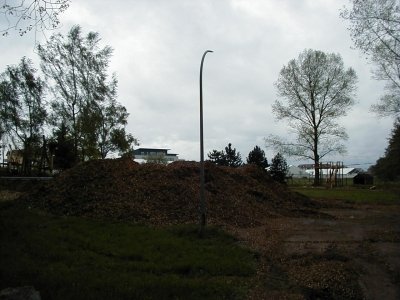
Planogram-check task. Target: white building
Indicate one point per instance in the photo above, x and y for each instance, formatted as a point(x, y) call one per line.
point(346, 172)
point(143, 155)
point(296, 172)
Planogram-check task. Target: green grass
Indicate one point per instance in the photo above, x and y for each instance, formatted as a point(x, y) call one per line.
point(352, 195)
point(75, 258)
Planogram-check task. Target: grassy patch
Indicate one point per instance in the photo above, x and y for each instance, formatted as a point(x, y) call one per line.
point(75, 258)
point(352, 195)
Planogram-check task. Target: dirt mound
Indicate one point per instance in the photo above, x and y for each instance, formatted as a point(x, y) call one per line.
point(158, 194)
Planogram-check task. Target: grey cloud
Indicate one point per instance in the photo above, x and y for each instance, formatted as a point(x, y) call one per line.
point(158, 47)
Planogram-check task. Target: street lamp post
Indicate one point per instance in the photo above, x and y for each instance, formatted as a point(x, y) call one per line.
point(202, 193)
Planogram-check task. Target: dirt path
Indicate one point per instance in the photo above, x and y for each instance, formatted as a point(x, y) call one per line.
point(355, 254)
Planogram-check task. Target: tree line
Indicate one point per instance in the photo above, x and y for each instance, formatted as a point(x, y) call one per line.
point(388, 167)
point(231, 158)
point(314, 90)
point(72, 103)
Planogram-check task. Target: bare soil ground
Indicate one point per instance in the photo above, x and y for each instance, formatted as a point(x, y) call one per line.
point(353, 255)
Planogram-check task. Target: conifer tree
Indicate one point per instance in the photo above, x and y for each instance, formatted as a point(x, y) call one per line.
point(229, 157)
point(388, 167)
point(279, 168)
point(233, 159)
point(257, 157)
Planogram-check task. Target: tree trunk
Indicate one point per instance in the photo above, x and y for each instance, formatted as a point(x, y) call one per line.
point(316, 170)
point(316, 174)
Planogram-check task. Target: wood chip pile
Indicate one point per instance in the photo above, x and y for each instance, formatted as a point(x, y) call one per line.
point(121, 189)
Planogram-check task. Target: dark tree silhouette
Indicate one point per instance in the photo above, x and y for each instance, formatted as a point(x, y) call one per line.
point(229, 157)
point(279, 168)
point(23, 111)
point(63, 149)
point(217, 157)
point(388, 167)
point(233, 158)
point(257, 157)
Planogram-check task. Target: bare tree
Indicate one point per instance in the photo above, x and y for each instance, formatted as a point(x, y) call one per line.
point(317, 90)
point(375, 30)
point(23, 16)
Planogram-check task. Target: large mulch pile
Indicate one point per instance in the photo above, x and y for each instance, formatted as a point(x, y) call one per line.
point(121, 189)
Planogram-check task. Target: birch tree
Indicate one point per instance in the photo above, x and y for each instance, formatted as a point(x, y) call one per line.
point(76, 67)
point(23, 108)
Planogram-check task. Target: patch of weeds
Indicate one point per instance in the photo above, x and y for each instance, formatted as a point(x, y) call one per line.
point(76, 258)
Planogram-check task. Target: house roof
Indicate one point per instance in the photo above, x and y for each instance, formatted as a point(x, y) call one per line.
point(153, 149)
point(164, 150)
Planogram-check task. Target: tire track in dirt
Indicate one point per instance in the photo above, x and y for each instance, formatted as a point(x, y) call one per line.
point(354, 255)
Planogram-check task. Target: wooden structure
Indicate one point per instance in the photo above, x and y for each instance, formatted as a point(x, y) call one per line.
point(14, 161)
point(330, 173)
point(23, 161)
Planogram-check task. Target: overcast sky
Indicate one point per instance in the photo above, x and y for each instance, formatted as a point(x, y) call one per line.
point(158, 46)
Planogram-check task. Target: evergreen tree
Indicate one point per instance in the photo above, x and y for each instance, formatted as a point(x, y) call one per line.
point(257, 157)
point(279, 168)
point(388, 167)
point(233, 159)
point(63, 149)
point(217, 157)
point(229, 157)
